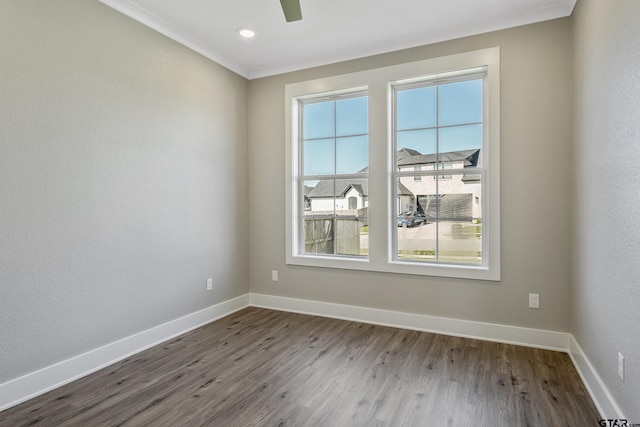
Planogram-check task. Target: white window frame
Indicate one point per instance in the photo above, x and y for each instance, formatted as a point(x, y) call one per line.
point(303, 177)
point(379, 85)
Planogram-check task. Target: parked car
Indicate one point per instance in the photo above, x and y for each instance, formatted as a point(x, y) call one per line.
point(411, 219)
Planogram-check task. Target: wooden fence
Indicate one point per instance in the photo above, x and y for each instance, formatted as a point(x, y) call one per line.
point(326, 233)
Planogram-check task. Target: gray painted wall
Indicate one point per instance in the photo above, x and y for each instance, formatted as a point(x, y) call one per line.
point(123, 181)
point(606, 293)
point(124, 184)
point(536, 209)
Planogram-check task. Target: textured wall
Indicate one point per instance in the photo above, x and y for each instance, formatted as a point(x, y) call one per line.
point(123, 181)
point(536, 209)
point(606, 294)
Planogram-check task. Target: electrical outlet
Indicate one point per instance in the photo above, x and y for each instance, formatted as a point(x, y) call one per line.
point(209, 284)
point(274, 275)
point(621, 366)
point(534, 300)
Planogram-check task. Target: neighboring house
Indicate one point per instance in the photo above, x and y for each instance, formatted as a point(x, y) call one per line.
point(345, 195)
point(349, 196)
point(307, 200)
point(406, 199)
point(458, 196)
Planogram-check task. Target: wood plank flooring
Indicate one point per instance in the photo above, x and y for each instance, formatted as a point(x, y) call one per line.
point(261, 367)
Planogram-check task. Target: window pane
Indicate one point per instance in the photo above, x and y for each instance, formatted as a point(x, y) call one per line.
point(352, 236)
point(348, 188)
point(460, 103)
point(417, 239)
point(319, 197)
point(460, 242)
point(406, 194)
point(444, 227)
point(428, 205)
point(457, 201)
point(336, 209)
point(460, 138)
point(416, 108)
point(319, 157)
point(352, 154)
point(353, 203)
point(318, 120)
point(318, 216)
point(443, 166)
point(417, 168)
point(318, 235)
point(308, 188)
point(352, 116)
point(415, 143)
point(460, 225)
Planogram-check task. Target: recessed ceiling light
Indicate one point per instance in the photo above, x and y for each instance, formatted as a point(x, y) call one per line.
point(246, 32)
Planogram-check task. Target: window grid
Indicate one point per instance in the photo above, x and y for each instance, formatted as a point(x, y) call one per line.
point(334, 177)
point(435, 173)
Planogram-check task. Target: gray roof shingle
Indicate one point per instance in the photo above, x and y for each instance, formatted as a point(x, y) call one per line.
point(325, 188)
point(408, 157)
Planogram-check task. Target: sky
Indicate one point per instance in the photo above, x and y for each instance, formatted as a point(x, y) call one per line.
point(335, 132)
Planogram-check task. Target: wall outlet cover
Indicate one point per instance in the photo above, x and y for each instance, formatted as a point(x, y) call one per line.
point(534, 300)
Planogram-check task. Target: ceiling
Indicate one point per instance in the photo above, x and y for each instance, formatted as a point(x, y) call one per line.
point(330, 31)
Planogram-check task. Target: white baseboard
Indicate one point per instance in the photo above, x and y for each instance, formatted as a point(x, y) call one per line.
point(35, 383)
point(600, 395)
point(538, 338)
point(38, 382)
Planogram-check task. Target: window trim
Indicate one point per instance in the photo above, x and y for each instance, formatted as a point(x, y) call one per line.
point(378, 83)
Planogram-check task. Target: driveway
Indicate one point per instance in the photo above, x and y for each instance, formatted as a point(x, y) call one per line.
point(456, 241)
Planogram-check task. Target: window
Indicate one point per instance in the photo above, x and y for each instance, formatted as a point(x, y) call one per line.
point(439, 125)
point(417, 168)
point(443, 166)
point(353, 203)
point(335, 155)
point(366, 153)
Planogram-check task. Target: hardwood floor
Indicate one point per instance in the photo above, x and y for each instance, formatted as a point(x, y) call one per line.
point(261, 367)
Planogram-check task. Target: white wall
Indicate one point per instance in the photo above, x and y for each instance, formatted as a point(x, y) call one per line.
point(327, 204)
point(606, 294)
point(536, 187)
point(117, 147)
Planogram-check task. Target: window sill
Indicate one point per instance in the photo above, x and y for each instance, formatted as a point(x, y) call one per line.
point(397, 267)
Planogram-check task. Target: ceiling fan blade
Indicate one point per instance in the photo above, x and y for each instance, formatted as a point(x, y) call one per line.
point(291, 9)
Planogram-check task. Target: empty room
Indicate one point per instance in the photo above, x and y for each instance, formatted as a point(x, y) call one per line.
point(319, 213)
